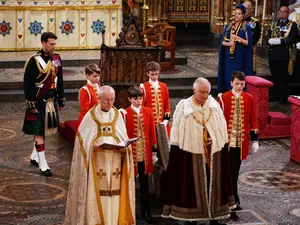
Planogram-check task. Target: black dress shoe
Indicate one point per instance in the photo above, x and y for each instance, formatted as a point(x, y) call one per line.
point(34, 162)
point(190, 223)
point(46, 173)
point(215, 222)
point(233, 216)
point(148, 218)
point(238, 207)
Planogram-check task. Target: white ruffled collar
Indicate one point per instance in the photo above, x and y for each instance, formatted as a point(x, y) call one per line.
point(236, 94)
point(155, 84)
point(136, 109)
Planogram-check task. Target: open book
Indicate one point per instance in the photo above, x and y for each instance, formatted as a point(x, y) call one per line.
point(122, 144)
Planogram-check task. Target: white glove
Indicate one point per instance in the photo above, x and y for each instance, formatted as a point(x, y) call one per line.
point(298, 45)
point(274, 41)
point(165, 122)
point(254, 146)
point(154, 157)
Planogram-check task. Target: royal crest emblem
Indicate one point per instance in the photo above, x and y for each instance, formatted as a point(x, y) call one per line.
point(97, 26)
point(4, 28)
point(67, 27)
point(35, 28)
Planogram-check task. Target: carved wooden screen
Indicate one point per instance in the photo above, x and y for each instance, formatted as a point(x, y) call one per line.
point(187, 11)
point(125, 65)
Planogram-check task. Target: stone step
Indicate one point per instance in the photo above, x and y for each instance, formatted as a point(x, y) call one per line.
point(72, 94)
point(12, 79)
point(179, 60)
point(76, 84)
point(171, 80)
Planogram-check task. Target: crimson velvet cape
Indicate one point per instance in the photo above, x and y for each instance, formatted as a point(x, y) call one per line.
point(194, 188)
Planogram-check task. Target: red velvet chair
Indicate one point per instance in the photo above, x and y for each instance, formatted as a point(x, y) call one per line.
point(68, 130)
point(271, 124)
point(295, 137)
point(165, 35)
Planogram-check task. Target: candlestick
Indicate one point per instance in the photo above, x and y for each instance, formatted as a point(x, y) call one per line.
point(256, 4)
point(145, 9)
point(264, 10)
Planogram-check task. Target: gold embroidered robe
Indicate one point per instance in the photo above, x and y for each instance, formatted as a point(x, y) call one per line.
point(101, 189)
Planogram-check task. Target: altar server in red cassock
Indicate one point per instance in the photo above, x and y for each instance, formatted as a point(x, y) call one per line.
point(242, 126)
point(139, 121)
point(156, 95)
point(88, 94)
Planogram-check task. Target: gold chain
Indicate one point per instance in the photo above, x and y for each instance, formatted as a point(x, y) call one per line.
point(202, 114)
point(203, 121)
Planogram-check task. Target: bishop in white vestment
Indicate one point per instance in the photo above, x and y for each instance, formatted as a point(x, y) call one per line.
point(101, 189)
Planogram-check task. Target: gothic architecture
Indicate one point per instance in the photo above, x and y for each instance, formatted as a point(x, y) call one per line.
point(215, 12)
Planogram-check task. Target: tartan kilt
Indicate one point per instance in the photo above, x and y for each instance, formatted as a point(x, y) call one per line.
point(34, 124)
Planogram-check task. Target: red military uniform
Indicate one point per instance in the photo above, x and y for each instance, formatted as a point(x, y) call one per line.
point(243, 123)
point(143, 125)
point(88, 97)
point(158, 101)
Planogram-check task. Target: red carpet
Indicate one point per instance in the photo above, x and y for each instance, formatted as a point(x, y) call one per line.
point(68, 130)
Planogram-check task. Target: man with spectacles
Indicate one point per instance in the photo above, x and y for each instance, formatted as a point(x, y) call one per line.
point(281, 37)
point(101, 189)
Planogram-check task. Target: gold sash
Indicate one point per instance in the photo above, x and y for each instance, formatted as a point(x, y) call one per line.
point(233, 31)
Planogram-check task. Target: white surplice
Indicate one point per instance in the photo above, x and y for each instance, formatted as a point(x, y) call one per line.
point(101, 189)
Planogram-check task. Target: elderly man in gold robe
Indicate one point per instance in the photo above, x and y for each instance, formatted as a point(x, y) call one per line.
point(197, 182)
point(101, 189)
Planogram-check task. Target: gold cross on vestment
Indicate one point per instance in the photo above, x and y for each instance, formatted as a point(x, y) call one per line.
point(117, 173)
point(101, 174)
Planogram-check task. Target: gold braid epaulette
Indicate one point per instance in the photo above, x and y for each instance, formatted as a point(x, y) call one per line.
point(48, 70)
point(26, 63)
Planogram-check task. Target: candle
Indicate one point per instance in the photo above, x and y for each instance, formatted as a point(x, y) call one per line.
point(256, 3)
point(264, 9)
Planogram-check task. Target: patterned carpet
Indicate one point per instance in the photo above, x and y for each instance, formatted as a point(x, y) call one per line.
point(205, 61)
point(269, 182)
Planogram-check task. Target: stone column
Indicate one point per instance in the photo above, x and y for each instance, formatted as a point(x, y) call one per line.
point(153, 16)
point(217, 18)
point(164, 9)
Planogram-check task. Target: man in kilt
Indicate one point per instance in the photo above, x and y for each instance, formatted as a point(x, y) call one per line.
point(44, 93)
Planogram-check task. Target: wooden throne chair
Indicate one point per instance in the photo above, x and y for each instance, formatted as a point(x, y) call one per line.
point(164, 35)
